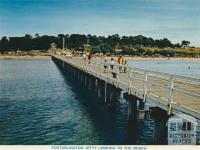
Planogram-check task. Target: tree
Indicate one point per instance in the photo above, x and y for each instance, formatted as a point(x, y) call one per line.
point(113, 40)
point(185, 43)
point(61, 36)
point(148, 53)
point(177, 45)
point(37, 35)
point(106, 48)
point(28, 36)
point(4, 44)
point(93, 40)
point(77, 41)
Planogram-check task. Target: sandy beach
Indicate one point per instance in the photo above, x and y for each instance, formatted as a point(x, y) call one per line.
point(25, 57)
point(102, 58)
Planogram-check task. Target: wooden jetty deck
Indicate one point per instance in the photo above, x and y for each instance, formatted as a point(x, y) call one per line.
point(174, 93)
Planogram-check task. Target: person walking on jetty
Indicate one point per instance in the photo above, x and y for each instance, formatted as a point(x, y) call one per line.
point(125, 66)
point(124, 63)
point(123, 60)
point(105, 65)
point(89, 57)
point(120, 61)
point(112, 68)
point(112, 64)
point(84, 56)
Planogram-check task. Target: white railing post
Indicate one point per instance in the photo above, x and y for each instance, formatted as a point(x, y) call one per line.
point(96, 67)
point(108, 66)
point(105, 70)
point(145, 86)
point(117, 76)
point(170, 93)
point(90, 66)
point(105, 92)
point(130, 81)
point(86, 64)
point(81, 63)
point(100, 69)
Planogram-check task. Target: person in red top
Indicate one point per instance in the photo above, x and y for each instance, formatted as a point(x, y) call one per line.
point(89, 57)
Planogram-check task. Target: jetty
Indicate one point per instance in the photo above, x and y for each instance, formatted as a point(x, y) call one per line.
point(169, 94)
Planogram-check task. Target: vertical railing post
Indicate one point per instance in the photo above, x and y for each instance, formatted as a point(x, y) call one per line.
point(108, 69)
point(90, 66)
point(105, 92)
point(145, 86)
point(96, 67)
point(170, 93)
point(101, 72)
point(81, 63)
point(130, 81)
point(86, 67)
point(84, 64)
point(117, 76)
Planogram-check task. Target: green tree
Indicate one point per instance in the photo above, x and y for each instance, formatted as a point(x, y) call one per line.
point(185, 43)
point(4, 44)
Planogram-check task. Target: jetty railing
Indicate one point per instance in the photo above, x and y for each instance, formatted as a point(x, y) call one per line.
point(169, 91)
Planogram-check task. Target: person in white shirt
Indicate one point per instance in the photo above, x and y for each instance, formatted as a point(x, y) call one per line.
point(84, 56)
point(112, 64)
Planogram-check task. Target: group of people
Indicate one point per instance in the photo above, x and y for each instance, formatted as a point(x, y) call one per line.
point(87, 56)
point(121, 61)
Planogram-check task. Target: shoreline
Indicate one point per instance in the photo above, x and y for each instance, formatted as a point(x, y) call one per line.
point(26, 57)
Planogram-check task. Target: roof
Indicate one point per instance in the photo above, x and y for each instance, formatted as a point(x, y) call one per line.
point(182, 117)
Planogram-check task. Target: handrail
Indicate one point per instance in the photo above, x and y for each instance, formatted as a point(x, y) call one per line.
point(171, 82)
point(186, 78)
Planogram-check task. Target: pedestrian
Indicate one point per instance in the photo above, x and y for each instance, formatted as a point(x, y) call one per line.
point(112, 64)
point(105, 65)
point(120, 62)
point(89, 57)
point(119, 57)
point(84, 56)
point(125, 66)
point(123, 60)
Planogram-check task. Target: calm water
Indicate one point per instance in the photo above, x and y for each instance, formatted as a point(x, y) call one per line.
point(186, 68)
point(38, 105)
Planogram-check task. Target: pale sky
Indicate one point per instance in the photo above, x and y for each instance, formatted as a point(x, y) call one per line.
point(176, 20)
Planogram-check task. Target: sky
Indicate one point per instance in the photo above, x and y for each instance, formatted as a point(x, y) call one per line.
point(176, 20)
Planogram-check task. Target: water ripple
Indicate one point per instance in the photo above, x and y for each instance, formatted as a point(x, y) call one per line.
point(39, 106)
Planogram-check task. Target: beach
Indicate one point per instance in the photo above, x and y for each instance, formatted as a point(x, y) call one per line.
point(104, 58)
point(25, 57)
